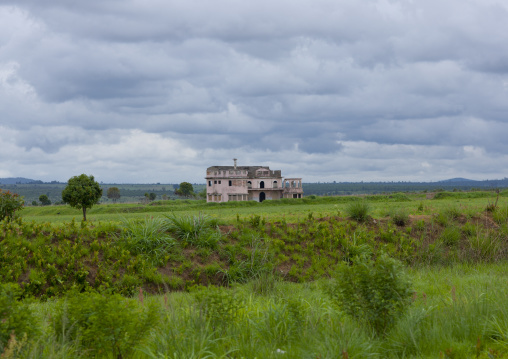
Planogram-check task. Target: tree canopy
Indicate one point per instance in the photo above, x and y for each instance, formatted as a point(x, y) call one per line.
point(82, 192)
point(45, 201)
point(185, 189)
point(113, 193)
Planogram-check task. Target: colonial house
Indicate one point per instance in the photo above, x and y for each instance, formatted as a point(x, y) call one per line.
point(249, 183)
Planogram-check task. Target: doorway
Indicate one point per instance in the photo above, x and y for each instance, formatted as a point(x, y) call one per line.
point(262, 196)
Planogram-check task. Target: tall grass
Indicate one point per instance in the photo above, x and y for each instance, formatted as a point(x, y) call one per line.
point(198, 230)
point(147, 237)
point(358, 210)
point(458, 312)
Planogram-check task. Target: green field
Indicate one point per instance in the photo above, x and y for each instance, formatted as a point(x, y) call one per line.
point(251, 280)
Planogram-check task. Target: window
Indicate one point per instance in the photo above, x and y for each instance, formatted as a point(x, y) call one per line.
point(214, 182)
point(230, 183)
point(219, 182)
point(209, 183)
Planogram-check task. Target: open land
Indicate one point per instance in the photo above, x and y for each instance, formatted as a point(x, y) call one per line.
point(247, 279)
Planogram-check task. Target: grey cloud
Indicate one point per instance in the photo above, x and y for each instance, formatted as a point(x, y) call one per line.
point(280, 79)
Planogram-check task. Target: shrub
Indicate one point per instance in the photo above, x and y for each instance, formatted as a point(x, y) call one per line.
point(16, 318)
point(358, 210)
point(400, 217)
point(104, 323)
point(9, 204)
point(376, 292)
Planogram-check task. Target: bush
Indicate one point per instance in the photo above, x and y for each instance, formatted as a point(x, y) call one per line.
point(400, 217)
point(9, 204)
point(376, 292)
point(104, 324)
point(358, 210)
point(16, 317)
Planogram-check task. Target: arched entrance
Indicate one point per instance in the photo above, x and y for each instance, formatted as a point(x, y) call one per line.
point(262, 196)
point(262, 184)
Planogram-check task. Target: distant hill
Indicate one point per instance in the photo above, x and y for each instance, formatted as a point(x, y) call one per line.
point(459, 179)
point(16, 180)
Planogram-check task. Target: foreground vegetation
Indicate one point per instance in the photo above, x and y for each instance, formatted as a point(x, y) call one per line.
point(260, 280)
point(457, 312)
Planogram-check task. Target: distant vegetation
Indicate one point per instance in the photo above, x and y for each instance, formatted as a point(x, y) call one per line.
point(130, 193)
point(134, 193)
point(350, 188)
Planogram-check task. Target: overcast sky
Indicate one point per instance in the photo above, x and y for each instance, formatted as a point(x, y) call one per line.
point(145, 91)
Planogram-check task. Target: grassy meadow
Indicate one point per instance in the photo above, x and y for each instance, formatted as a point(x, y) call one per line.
point(257, 280)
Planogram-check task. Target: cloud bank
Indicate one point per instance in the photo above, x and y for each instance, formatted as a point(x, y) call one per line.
point(156, 91)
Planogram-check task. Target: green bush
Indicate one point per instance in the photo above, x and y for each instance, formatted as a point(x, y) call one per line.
point(104, 324)
point(9, 204)
point(16, 318)
point(400, 217)
point(376, 292)
point(358, 210)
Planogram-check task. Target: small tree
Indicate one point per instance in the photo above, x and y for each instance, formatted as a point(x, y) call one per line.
point(45, 201)
point(152, 196)
point(9, 204)
point(82, 192)
point(185, 189)
point(113, 193)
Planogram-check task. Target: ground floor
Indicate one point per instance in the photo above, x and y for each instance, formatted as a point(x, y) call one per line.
point(253, 195)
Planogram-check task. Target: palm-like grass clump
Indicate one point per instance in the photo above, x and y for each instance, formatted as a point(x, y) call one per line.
point(148, 237)
point(198, 230)
point(358, 210)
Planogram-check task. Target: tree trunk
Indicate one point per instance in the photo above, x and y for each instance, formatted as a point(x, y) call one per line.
point(84, 214)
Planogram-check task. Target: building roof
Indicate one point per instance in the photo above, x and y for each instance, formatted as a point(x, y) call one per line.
point(251, 170)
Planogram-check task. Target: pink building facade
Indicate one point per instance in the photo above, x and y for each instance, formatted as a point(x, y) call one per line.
point(249, 183)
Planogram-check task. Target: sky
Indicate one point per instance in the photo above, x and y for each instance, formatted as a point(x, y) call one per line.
point(147, 91)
